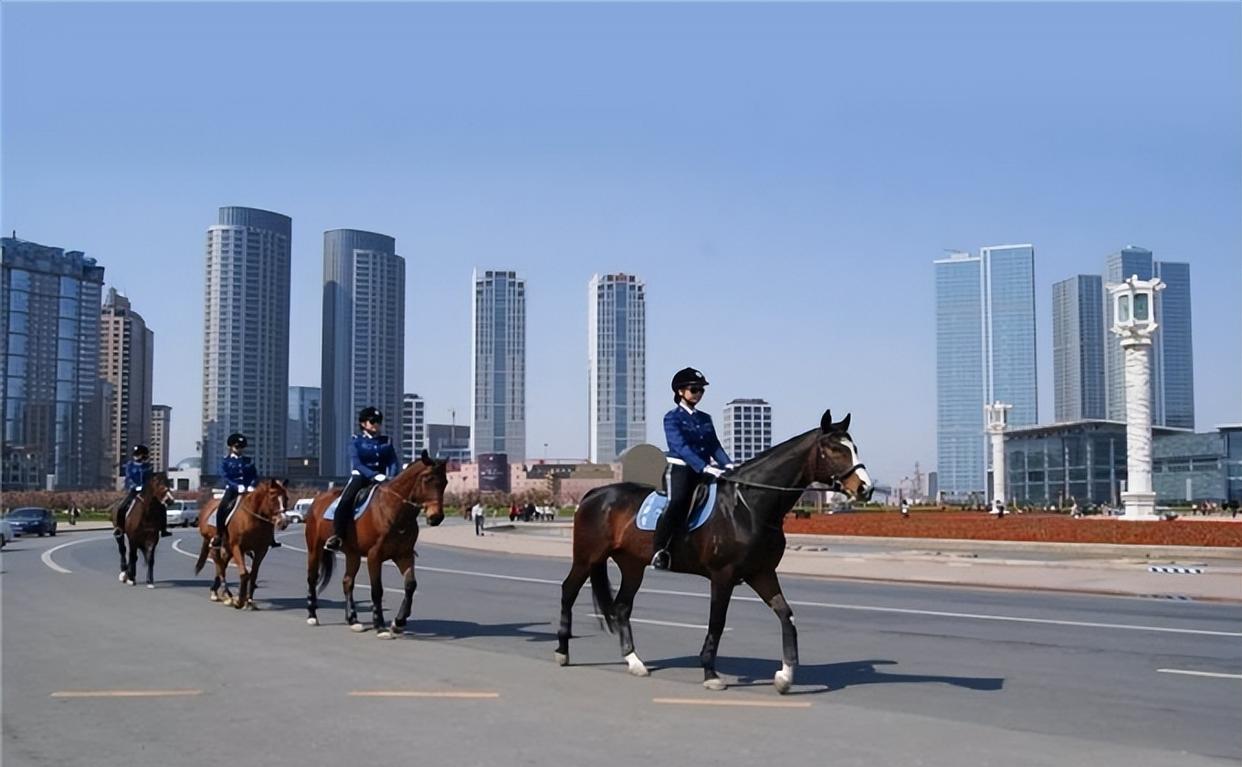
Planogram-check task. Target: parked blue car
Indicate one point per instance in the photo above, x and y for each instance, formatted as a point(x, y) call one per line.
point(32, 519)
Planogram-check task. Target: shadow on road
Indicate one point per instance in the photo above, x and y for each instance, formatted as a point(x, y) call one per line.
point(757, 672)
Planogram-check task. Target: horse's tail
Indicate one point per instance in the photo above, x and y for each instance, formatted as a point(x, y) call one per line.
point(202, 556)
point(327, 560)
point(601, 593)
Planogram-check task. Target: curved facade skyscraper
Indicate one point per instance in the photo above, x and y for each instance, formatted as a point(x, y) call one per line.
point(616, 365)
point(363, 340)
point(246, 336)
point(498, 365)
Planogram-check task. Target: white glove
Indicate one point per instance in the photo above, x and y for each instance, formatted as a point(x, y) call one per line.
point(242, 490)
point(714, 471)
point(138, 489)
point(380, 477)
point(730, 466)
point(250, 489)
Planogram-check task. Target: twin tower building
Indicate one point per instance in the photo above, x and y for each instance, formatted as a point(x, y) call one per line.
point(246, 346)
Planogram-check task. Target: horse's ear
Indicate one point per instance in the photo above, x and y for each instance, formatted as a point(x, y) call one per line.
point(825, 423)
point(426, 458)
point(844, 426)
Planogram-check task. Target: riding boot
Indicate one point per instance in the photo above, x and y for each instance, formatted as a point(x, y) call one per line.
point(663, 537)
point(337, 541)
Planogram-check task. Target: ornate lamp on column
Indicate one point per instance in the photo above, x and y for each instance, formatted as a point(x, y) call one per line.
point(997, 421)
point(1134, 319)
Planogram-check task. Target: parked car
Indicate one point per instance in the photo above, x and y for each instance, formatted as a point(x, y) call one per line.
point(300, 510)
point(32, 519)
point(6, 533)
point(184, 513)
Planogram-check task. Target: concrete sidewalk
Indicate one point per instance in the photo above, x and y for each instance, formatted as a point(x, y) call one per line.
point(1095, 570)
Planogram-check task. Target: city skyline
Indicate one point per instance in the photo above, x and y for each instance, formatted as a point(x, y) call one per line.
point(616, 365)
point(780, 211)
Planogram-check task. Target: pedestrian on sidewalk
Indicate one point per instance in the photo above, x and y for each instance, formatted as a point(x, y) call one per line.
point(905, 507)
point(476, 513)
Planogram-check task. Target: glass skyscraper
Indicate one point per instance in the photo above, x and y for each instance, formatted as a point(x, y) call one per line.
point(302, 431)
point(985, 351)
point(363, 340)
point(498, 365)
point(616, 365)
point(246, 337)
point(53, 400)
point(1078, 340)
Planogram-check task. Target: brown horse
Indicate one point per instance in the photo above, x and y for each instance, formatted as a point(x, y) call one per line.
point(742, 541)
point(251, 527)
point(142, 528)
point(388, 530)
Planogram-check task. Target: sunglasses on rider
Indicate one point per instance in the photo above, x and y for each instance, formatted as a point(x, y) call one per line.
point(695, 389)
point(374, 420)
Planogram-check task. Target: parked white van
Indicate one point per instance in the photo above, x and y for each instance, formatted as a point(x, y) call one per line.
point(300, 510)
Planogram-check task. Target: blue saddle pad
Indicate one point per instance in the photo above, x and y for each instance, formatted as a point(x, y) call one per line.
point(360, 507)
point(653, 507)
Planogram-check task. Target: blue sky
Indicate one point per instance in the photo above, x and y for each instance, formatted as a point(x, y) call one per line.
point(781, 176)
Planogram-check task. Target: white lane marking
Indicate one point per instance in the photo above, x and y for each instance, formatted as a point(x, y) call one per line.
point(47, 555)
point(860, 608)
point(124, 693)
point(1198, 673)
point(697, 626)
point(721, 702)
point(423, 694)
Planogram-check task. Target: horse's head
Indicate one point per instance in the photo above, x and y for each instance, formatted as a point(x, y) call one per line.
point(431, 478)
point(271, 500)
point(836, 461)
point(160, 487)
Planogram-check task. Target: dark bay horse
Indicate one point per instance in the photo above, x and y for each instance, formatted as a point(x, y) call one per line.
point(251, 526)
point(388, 530)
point(742, 542)
point(142, 528)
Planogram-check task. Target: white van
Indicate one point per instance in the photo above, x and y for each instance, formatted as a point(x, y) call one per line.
point(300, 510)
point(184, 513)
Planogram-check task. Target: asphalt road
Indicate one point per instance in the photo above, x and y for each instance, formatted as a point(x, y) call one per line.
point(891, 673)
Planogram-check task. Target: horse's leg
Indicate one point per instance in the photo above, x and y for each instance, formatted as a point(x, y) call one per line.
point(120, 544)
point(243, 574)
point(313, 553)
point(722, 592)
point(131, 563)
point(631, 578)
point(248, 597)
point(352, 561)
point(578, 574)
point(768, 588)
point(375, 572)
point(222, 572)
point(149, 555)
point(406, 566)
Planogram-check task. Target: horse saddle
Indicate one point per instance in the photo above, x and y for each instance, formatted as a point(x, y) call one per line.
point(360, 503)
point(701, 508)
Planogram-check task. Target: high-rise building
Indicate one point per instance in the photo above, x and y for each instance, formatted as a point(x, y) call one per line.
point(302, 431)
point(448, 441)
point(985, 351)
point(413, 426)
point(246, 336)
point(363, 339)
point(498, 365)
point(1172, 360)
point(127, 361)
point(1078, 348)
point(53, 399)
point(161, 430)
point(747, 428)
point(616, 365)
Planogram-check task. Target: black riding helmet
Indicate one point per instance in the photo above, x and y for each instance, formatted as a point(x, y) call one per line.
point(237, 440)
point(684, 378)
point(370, 414)
point(141, 450)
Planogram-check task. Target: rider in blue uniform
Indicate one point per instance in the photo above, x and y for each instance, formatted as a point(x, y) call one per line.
point(138, 471)
point(692, 448)
point(239, 476)
point(374, 460)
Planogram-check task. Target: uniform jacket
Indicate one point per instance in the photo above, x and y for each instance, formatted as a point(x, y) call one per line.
point(373, 455)
point(137, 473)
point(692, 439)
point(238, 472)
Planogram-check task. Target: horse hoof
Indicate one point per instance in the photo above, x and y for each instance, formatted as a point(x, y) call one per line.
point(562, 659)
point(636, 666)
point(782, 682)
point(312, 621)
point(128, 582)
point(396, 630)
point(383, 634)
point(213, 597)
point(120, 577)
point(150, 585)
point(251, 606)
point(357, 628)
point(714, 684)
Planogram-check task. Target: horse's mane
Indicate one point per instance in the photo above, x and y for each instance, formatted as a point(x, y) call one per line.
point(776, 455)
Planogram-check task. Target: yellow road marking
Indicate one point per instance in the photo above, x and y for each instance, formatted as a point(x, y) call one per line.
point(422, 694)
point(752, 703)
point(125, 693)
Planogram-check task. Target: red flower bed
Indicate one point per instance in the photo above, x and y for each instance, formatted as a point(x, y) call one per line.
point(1048, 528)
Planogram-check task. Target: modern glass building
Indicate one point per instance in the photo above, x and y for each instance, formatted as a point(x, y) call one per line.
point(161, 434)
point(498, 365)
point(302, 431)
point(246, 337)
point(616, 365)
point(747, 428)
point(363, 339)
point(53, 400)
point(1078, 348)
point(414, 426)
point(127, 361)
point(985, 351)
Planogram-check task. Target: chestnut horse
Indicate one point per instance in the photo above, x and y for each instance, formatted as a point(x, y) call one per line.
point(388, 530)
point(742, 541)
point(142, 528)
point(251, 527)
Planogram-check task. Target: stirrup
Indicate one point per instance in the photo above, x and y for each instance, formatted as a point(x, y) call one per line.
point(275, 544)
point(333, 543)
point(216, 542)
point(118, 532)
point(662, 560)
point(165, 534)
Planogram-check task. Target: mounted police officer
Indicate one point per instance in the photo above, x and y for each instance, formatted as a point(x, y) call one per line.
point(374, 461)
point(138, 471)
point(239, 476)
point(692, 449)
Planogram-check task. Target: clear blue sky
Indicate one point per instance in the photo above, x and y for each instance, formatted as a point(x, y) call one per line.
point(781, 176)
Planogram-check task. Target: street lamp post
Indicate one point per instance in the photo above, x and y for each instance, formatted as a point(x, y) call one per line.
point(997, 415)
point(1134, 321)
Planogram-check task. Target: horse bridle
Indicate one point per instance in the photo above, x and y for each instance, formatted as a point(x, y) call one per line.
point(835, 482)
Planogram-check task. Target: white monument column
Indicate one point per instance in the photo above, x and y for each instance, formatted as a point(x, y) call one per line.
point(1134, 321)
point(997, 416)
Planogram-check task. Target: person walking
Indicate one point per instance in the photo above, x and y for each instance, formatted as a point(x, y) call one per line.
point(476, 513)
